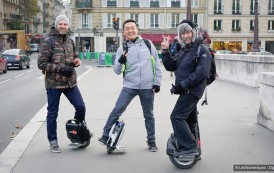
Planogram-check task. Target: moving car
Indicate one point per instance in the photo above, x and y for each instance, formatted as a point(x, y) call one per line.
point(34, 48)
point(3, 64)
point(17, 58)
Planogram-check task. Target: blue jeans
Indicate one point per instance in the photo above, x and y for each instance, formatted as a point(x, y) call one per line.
point(184, 112)
point(147, 99)
point(75, 98)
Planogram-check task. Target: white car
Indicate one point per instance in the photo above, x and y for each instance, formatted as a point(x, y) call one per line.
point(34, 48)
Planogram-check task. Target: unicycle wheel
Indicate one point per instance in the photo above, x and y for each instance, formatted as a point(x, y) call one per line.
point(109, 150)
point(182, 164)
point(85, 144)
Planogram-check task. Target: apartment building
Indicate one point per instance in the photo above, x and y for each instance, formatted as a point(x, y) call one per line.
point(92, 20)
point(231, 24)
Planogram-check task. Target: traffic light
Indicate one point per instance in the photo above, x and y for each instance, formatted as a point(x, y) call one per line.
point(115, 23)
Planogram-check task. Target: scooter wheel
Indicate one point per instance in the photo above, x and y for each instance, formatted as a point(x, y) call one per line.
point(182, 164)
point(85, 144)
point(109, 150)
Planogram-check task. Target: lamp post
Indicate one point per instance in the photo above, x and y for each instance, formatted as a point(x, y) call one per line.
point(188, 10)
point(255, 47)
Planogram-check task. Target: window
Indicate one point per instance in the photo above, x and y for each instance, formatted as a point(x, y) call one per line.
point(85, 22)
point(111, 3)
point(195, 19)
point(218, 8)
point(134, 3)
point(109, 21)
point(195, 3)
point(154, 23)
point(236, 25)
point(134, 17)
point(252, 7)
point(175, 20)
point(251, 26)
point(236, 8)
point(217, 25)
point(154, 3)
point(271, 7)
point(271, 25)
point(175, 3)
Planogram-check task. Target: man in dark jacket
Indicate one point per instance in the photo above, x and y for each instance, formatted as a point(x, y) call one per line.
point(57, 60)
point(191, 76)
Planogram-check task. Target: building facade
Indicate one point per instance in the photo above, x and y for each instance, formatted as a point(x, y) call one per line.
point(231, 24)
point(92, 20)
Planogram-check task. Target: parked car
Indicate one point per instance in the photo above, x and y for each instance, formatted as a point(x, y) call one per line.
point(260, 53)
point(17, 58)
point(34, 48)
point(3, 64)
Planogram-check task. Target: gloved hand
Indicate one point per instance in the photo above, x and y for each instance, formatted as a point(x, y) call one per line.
point(176, 89)
point(122, 59)
point(156, 88)
point(67, 70)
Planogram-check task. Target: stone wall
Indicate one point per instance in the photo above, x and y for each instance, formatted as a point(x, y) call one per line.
point(256, 71)
point(243, 69)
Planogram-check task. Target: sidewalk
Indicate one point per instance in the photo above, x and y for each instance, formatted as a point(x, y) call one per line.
point(229, 132)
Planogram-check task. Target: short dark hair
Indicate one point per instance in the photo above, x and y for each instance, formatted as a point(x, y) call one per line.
point(130, 20)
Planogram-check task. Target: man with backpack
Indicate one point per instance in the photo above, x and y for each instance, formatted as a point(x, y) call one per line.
point(57, 61)
point(138, 60)
point(191, 72)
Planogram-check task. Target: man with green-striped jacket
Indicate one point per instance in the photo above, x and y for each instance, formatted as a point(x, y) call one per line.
point(140, 65)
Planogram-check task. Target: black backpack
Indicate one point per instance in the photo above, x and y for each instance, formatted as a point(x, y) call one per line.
point(212, 73)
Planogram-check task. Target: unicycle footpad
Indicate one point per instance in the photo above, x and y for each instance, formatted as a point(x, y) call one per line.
point(77, 131)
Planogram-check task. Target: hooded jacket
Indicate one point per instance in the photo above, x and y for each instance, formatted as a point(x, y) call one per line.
point(51, 61)
point(190, 74)
point(139, 73)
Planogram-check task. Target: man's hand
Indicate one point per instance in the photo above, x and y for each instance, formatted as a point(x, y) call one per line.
point(165, 42)
point(77, 62)
point(156, 88)
point(123, 58)
point(176, 89)
point(67, 70)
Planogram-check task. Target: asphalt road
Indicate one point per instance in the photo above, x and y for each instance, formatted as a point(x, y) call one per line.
point(22, 94)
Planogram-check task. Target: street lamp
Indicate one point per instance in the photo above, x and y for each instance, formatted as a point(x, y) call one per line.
point(255, 47)
point(188, 10)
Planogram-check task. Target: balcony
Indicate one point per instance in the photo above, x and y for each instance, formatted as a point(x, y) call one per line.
point(154, 4)
point(134, 3)
point(238, 29)
point(252, 10)
point(270, 11)
point(15, 16)
point(83, 4)
point(111, 4)
point(237, 10)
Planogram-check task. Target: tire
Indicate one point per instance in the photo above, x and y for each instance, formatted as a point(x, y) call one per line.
point(85, 144)
point(109, 150)
point(28, 66)
point(182, 164)
point(21, 67)
point(5, 70)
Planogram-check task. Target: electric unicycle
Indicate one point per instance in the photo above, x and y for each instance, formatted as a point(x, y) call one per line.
point(78, 133)
point(115, 135)
point(184, 161)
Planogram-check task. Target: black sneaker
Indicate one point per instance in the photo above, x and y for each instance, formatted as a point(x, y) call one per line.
point(103, 140)
point(152, 146)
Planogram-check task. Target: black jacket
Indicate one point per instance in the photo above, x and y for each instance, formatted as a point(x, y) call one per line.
point(192, 74)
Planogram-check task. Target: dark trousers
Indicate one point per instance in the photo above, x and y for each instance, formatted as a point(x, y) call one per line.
point(185, 111)
point(75, 98)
